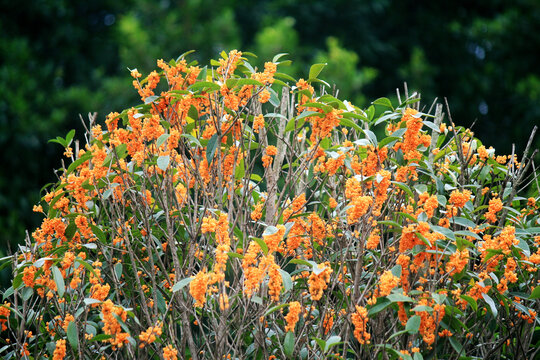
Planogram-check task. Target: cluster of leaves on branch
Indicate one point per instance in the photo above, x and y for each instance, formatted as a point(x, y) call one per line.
point(241, 213)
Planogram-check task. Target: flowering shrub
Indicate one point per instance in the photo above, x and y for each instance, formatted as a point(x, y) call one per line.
point(239, 213)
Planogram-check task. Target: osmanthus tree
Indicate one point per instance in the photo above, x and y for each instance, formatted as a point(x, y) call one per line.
point(239, 213)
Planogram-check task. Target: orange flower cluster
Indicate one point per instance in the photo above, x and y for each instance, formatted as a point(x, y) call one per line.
point(387, 282)
point(150, 335)
point(198, 287)
point(60, 350)
point(5, 311)
point(509, 275)
point(293, 316)
point(258, 123)
point(457, 262)
point(111, 325)
point(412, 138)
point(495, 205)
point(504, 242)
point(430, 322)
point(170, 353)
point(359, 204)
point(322, 126)
point(360, 320)
point(459, 198)
point(318, 280)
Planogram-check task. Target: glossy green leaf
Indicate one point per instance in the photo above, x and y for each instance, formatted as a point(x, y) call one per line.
point(162, 139)
point(383, 102)
point(315, 70)
point(73, 335)
point(287, 280)
point(491, 304)
point(288, 344)
point(535, 294)
point(163, 162)
point(59, 281)
point(262, 244)
point(181, 284)
point(211, 148)
point(413, 324)
point(205, 86)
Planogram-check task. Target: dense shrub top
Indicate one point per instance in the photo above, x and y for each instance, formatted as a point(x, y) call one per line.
point(240, 213)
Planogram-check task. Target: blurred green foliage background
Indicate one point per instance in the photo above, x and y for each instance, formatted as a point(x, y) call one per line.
point(62, 58)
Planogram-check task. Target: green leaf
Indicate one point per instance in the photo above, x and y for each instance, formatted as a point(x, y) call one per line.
point(73, 335)
point(284, 77)
point(491, 304)
point(278, 56)
point(262, 244)
point(151, 99)
point(293, 123)
point(287, 280)
point(315, 70)
point(388, 141)
point(456, 344)
point(270, 230)
point(332, 341)
point(274, 308)
point(350, 123)
point(471, 301)
point(444, 231)
point(192, 139)
point(306, 113)
point(288, 345)
point(59, 280)
point(59, 140)
point(85, 157)
point(70, 136)
point(274, 97)
point(535, 294)
point(382, 303)
point(235, 255)
point(429, 309)
point(241, 82)
point(300, 262)
point(417, 356)
point(399, 298)
point(90, 301)
point(100, 337)
point(99, 233)
point(162, 139)
point(162, 306)
point(163, 162)
point(86, 265)
point(413, 324)
point(181, 284)
point(396, 271)
point(371, 136)
point(211, 148)
point(370, 112)
point(257, 299)
point(204, 85)
point(118, 267)
point(383, 102)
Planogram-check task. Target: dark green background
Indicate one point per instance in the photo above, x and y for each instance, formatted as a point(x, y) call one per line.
point(59, 59)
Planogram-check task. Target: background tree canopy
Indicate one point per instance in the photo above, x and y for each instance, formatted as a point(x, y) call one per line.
point(61, 58)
